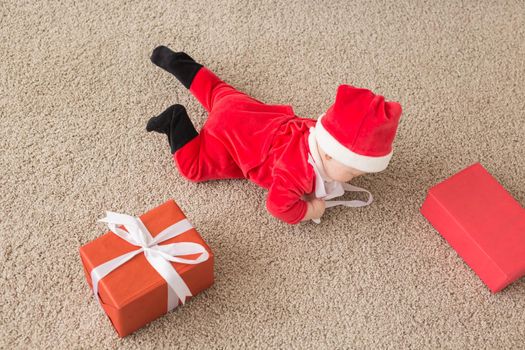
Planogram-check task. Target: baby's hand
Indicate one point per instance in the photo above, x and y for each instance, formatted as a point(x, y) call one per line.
point(316, 208)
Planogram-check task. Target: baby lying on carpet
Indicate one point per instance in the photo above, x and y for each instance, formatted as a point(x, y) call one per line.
point(302, 162)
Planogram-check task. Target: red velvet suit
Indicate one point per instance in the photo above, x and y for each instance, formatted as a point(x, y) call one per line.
point(245, 138)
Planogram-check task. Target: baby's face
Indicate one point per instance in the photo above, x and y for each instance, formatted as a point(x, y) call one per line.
point(338, 171)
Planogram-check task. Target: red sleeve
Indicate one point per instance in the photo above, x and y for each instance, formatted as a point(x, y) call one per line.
point(285, 201)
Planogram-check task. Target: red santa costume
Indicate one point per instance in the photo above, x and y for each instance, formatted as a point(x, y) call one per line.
point(269, 144)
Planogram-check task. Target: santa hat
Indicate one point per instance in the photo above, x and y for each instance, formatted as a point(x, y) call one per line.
point(358, 129)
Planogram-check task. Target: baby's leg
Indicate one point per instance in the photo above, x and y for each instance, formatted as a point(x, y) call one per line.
point(199, 157)
point(203, 83)
point(205, 158)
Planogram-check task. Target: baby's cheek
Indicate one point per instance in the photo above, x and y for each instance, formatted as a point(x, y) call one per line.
point(349, 178)
point(342, 176)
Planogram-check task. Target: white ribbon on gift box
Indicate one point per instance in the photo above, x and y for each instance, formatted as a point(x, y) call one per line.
point(159, 256)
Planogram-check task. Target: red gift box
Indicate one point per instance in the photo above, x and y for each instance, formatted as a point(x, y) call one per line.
point(168, 261)
point(482, 222)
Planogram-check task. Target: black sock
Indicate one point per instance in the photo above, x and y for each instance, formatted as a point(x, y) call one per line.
point(176, 124)
point(180, 64)
point(161, 123)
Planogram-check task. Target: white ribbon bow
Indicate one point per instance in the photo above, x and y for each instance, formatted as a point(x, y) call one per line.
point(159, 256)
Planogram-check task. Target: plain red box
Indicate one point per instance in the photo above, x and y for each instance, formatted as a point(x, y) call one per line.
point(482, 222)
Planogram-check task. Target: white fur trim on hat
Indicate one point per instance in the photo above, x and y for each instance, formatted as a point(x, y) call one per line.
point(336, 150)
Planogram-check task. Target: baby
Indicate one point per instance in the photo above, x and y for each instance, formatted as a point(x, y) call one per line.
point(302, 162)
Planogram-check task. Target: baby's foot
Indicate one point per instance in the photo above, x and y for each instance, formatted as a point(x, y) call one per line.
point(176, 124)
point(161, 123)
point(180, 64)
point(165, 58)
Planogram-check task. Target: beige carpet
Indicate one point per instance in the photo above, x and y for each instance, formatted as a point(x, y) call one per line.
point(77, 88)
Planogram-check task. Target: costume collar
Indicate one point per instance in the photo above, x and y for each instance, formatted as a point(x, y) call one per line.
point(314, 152)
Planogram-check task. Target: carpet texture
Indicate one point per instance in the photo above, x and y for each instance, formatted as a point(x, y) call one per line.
point(77, 89)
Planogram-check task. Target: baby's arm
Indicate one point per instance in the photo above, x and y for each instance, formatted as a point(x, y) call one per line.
point(286, 202)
